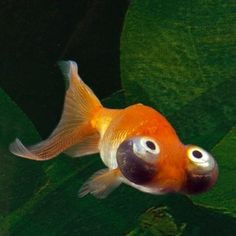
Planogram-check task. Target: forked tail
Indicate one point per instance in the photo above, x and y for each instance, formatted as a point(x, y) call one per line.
point(74, 134)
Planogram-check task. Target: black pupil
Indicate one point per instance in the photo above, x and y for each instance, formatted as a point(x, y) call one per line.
point(151, 145)
point(197, 154)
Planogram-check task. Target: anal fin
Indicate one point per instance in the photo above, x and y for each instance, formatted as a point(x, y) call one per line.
point(101, 184)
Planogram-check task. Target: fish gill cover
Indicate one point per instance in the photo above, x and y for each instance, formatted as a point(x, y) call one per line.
point(175, 56)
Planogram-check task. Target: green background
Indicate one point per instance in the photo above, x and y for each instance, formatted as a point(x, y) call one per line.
point(176, 56)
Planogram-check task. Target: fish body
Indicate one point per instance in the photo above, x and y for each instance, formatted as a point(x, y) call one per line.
point(137, 144)
point(135, 120)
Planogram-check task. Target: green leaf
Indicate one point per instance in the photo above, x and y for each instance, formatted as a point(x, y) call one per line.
point(44, 194)
point(224, 193)
point(24, 183)
point(53, 208)
point(177, 57)
point(174, 51)
point(18, 177)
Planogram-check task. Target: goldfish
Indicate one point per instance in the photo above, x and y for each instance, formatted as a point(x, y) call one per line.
point(137, 144)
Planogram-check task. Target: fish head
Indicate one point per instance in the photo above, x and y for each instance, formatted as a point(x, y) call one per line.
point(159, 165)
point(154, 163)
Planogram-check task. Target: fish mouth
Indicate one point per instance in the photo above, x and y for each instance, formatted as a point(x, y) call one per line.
point(170, 186)
point(200, 182)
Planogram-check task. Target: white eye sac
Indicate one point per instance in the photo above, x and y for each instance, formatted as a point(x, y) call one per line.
point(200, 158)
point(146, 148)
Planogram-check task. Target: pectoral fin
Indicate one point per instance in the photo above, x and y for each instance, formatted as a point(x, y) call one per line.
point(102, 183)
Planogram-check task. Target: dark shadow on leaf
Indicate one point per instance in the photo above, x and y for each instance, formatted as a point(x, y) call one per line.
point(35, 35)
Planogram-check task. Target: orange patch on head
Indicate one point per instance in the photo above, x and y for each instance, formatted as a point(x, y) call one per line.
point(171, 166)
point(170, 179)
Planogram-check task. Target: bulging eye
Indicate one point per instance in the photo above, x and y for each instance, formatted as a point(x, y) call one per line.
point(202, 170)
point(146, 148)
point(200, 158)
point(136, 159)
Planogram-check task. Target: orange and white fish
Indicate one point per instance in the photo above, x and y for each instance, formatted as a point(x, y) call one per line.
point(137, 144)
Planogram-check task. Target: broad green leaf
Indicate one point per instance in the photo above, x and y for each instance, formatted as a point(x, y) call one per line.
point(177, 57)
point(18, 178)
point(25, 183)
point(174, 51)
point(53, 208)
point(224, 193)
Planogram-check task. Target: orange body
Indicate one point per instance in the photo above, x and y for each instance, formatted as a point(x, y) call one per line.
point(140, 120)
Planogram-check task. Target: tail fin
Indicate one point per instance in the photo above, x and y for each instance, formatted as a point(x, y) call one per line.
point(74, 129)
